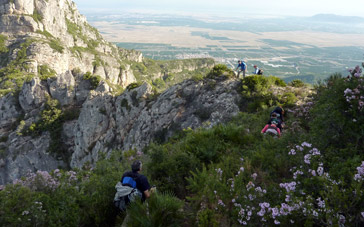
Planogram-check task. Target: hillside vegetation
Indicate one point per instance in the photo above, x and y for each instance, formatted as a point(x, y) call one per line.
point(229, 174)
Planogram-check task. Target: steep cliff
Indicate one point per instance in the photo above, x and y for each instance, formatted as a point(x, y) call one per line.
point(63, 97)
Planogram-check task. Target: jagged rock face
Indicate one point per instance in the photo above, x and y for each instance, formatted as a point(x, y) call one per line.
point(32, 95)
point(51, 36)
point(27, 154)
point(9, 113)
point(63, 89)
point(62, 39)
point(132, 121)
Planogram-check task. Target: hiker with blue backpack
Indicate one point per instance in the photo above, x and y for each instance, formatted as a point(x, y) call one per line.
point(242, 67)
point(132, 186)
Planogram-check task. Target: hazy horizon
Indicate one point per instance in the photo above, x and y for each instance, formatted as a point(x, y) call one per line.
point(229, 7)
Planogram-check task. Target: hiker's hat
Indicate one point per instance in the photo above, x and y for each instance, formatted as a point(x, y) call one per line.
point(255, 66)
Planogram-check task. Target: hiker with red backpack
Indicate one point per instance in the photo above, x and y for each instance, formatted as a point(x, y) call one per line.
point(275, 124)
point(272, 129)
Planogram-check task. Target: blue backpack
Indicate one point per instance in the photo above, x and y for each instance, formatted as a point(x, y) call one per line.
point(126, 192)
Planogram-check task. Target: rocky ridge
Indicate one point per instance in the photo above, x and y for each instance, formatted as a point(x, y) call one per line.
point(60, 86)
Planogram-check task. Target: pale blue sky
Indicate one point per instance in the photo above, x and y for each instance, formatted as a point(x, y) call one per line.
point(273, 7)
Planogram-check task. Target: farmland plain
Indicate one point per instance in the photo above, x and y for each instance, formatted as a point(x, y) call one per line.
point(309, 48)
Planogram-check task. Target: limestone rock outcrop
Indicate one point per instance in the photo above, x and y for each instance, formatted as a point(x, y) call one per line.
point(64, 96)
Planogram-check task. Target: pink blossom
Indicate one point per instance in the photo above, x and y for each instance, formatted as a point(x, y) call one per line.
point(276, 222)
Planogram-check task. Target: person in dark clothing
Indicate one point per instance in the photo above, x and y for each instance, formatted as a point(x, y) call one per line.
point(274, 119)
point(142, 183)
point(280, 112)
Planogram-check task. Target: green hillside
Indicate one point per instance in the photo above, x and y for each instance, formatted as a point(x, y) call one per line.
point(226, 175)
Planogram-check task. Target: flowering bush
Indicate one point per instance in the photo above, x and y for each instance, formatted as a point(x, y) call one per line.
point(308, 196)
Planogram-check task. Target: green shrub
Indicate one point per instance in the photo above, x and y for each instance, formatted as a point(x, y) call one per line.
point(93, 79)
point(14, 74)
point(297, 83)
point(197, 77)
point(45, 72)
point(288, 99)
point(133, 85)
point(220, 70)
point(159, 83)
point(3, 48)
point(56, 45)
point(37, 16)
point(163, 210)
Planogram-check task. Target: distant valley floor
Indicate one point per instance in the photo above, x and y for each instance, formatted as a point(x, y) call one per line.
point(308, 55)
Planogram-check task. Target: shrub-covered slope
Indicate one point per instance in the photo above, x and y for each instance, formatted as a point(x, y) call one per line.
point(227, 175)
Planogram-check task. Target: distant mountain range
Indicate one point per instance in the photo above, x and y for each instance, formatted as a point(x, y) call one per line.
point(337, 18)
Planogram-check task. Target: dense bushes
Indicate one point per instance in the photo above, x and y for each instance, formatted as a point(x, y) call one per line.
point(257, 91)
point(93, 79)
point(227, 175)
point(220, 70)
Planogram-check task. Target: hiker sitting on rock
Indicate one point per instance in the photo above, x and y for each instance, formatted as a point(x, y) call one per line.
point(257, 70)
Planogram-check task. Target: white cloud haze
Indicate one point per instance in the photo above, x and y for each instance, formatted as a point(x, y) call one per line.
point(275, 7)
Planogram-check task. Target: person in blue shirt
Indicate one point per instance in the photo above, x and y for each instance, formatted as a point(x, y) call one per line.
point(242, 67)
